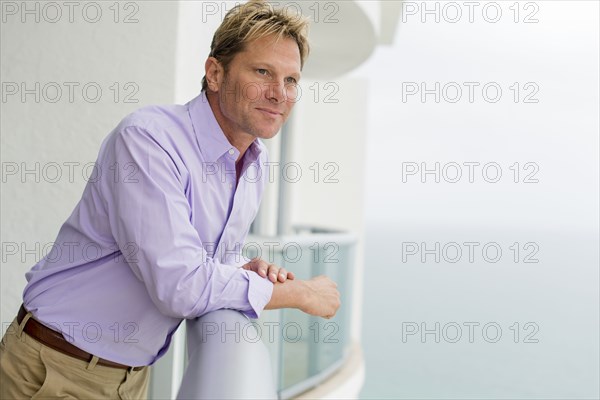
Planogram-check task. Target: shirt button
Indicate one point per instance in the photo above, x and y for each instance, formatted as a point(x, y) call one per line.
point(231, 152)
point(230, 186)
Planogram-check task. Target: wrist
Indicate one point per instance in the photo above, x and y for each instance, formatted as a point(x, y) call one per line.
point(302, 294)
point(290, 294)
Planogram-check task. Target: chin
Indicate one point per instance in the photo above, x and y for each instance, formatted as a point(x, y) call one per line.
point(268, 133)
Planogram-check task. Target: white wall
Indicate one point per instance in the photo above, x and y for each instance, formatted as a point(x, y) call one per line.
point(138, 56)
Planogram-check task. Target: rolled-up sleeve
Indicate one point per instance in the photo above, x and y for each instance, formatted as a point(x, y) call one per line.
point(150, 219)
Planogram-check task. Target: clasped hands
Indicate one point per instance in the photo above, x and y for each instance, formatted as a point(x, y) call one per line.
point(317, 296)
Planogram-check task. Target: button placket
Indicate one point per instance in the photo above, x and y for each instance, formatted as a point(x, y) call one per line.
point(231, 152)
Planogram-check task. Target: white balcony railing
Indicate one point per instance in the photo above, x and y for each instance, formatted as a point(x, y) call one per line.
point(307, 350)
point(300, 351)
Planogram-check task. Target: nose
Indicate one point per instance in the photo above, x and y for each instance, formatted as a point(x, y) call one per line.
point(276, 92)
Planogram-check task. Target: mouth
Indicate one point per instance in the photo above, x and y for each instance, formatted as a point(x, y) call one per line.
point(270, 112)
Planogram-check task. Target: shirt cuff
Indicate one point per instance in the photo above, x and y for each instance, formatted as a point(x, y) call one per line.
point(260, 291)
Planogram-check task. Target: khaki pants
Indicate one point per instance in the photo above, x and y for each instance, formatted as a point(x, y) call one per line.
point(31, 370)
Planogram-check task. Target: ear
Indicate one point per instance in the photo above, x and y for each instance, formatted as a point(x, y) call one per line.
point(214, 74)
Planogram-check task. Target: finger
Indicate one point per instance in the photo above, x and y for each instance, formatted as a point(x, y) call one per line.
point(262, 271)
point(282, 276)
point(250, 265)
point(273, 273)
point(290, 275)
point(261, 267)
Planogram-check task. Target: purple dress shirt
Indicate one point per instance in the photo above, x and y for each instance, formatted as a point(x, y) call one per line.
point(156, 237)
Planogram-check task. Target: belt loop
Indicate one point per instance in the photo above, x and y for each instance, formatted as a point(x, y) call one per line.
point(92, 363)
point(22, 325)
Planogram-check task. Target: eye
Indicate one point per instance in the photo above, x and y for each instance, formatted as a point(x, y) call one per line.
point(262, 71)
point(291, 80)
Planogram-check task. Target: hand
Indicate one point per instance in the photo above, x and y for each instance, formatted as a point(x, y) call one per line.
point(264, 269)
point(323, 298)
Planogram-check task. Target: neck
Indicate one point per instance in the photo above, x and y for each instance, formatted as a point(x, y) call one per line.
point(238, 139)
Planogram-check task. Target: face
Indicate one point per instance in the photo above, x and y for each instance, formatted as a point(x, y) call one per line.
point(257, 93)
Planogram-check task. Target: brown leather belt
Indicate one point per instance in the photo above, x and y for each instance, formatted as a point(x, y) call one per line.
point(55, 340)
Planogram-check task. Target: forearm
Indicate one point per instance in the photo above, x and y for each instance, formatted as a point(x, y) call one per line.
point(317, 296)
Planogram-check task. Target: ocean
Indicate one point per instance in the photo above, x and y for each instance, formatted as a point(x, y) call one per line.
point(480, 326)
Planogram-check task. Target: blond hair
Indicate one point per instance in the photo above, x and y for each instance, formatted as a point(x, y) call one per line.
point(254, 20)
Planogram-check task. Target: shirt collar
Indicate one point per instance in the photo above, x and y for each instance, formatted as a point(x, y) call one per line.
point(211, 139)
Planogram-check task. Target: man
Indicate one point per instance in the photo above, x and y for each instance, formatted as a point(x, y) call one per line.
point(164, 229)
